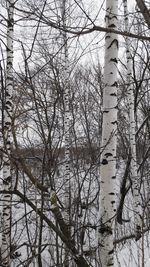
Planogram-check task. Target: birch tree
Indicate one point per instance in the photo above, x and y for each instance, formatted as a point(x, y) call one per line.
point(67, 113)
point(108, 146)
point(7, 120)
point(67, 123)
point(132, 132)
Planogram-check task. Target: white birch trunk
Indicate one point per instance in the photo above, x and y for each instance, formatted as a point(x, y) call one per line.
point(7, 179)
point(67, 114)
point(109, 140)
point(133, 165)
point(67, 127)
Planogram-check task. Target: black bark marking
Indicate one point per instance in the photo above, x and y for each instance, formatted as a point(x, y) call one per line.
point(8, 143)
point(115, 41)
point(112, 26)
point(8, 49)
point(114, 60)
point(114, 122)
point(113, 94)
point(7, 94)
point(5, 214)
point(108, 155)
point(107, 17)
point(104, 162)
point(115, 84)
point(105, 229)
point(8, 103)
point(10, 78)
point(5, 182)
point(8, 179)
point(111, 252)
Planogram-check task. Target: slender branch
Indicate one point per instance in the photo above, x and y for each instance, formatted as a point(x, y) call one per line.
point(87, 31)
point(144, 10)
point(62, 232)
point(128, 237)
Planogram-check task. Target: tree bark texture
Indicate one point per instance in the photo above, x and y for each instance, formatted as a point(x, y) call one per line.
point(7, 178)
point(108, 147)
point(67, 124)
point(67, 114)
